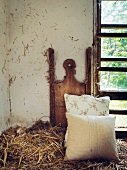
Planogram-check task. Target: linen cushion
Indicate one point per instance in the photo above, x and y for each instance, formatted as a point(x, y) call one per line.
point(91, 137)
point(87, 105)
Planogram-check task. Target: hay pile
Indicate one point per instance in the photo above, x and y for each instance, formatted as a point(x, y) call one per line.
point(40, 147)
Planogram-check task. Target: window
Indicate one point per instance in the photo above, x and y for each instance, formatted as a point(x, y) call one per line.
point(110, 56)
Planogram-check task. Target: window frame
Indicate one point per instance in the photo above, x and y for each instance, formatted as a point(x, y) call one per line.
point(114, 95)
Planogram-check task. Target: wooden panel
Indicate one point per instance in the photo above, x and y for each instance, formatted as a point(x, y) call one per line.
point(69, 85)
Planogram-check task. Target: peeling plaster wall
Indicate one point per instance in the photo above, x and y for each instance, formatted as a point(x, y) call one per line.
point(4, 97)
point(34, 26)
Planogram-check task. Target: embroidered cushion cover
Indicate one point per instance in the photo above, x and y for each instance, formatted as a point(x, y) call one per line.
point(90, 137)
point(87, 105)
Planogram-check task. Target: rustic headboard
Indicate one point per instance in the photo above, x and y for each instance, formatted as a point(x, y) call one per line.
point(68, 85)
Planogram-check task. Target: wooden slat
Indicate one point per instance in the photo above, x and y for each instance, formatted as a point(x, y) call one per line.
point(51, 84)
point(114, 95)
point(116, 69)
point(118, 112)
point(97, 47)
point(116, 26)
point(121, 134)
point(88, 70)
point(114, 59)
point(111, 35)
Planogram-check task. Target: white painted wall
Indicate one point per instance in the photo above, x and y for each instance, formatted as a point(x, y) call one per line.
point(34, 26)
point(4, 95)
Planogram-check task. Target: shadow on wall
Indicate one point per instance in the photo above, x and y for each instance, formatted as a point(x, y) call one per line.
point(13, 119)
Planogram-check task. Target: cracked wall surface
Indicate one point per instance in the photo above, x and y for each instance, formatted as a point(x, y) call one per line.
point(33, 27)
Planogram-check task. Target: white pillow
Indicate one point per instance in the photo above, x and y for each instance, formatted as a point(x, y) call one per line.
point(87, 105)
point(91, 137)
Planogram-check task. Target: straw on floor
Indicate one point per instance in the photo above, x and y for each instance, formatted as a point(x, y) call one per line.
point(40, 147)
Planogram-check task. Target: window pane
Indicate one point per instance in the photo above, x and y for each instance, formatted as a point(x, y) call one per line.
point(113, 47)
point(113, 80)
point(114, 64)
point(118, 105)
point(114, 30)
point(121, 121)
point(114, 12)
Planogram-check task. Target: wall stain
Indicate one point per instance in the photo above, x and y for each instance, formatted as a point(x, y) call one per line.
point(22, 29)
point(14, 40)
point(54, 26)
point(36, 34)
point(11, 80)
point(47, 79)
point(9, 51)
point(45, 53)
point(72, 38)
point(4, 68)
point(19, 59)
point(26, 48)
point(12, 14)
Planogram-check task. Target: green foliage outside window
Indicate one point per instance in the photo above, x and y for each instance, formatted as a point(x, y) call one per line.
point(114, 12)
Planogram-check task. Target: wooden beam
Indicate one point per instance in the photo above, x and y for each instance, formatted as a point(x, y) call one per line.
point(51, 84)
point(88, 70)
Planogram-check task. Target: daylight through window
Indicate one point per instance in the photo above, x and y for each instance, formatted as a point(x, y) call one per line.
point(110, 76)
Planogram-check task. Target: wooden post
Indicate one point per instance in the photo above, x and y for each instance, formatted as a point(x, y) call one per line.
point(88, 70)
point(51, 84)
